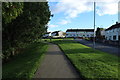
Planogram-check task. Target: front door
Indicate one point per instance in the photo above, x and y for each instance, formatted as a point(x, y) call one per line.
point(119, 38)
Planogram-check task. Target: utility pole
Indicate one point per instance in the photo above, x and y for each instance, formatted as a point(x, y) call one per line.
point(94, 25)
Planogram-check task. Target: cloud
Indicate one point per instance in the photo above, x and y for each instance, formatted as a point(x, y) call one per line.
point(52, 25)
point(87, 0)
point(72, 8)
point(63, 22)
point(109, 8)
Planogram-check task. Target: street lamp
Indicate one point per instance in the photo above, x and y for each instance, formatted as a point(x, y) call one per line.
point(94, 26)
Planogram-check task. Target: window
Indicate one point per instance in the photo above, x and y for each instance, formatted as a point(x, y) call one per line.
point(114, 37)
point(106, 38)
point(109, 37)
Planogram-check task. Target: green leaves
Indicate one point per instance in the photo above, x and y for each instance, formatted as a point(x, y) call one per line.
point(11, 10)
point(23, 23)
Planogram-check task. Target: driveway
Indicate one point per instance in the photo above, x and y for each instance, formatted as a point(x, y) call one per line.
point(101, 46)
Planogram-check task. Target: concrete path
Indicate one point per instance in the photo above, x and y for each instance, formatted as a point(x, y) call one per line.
point(56, 65)
point(102, 47)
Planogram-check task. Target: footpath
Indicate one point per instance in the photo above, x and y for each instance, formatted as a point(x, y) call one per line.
point(56, 65)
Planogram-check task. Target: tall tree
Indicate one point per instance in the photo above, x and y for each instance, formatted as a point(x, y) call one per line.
point(25, 28)
point(10, 10)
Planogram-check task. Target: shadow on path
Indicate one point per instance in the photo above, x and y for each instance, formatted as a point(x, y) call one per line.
point(56, 65)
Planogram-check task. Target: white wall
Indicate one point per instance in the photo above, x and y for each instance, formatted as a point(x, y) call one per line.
point(110, 33)
point(60, 34)
point(79, 34)
point(103, 32)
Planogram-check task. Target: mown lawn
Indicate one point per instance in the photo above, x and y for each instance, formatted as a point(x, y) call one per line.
point(50, 40)
point(24, 65)
point(68, 38)
point(93, 65)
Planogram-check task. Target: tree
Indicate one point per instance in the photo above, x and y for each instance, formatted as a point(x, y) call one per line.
point(98, 33)
point(26, 28)
point(10, 10)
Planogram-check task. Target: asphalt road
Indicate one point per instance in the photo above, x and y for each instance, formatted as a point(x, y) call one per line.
point(102, 47)
point(56, 65)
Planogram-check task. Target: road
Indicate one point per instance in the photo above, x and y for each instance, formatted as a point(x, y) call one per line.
point(102, 47)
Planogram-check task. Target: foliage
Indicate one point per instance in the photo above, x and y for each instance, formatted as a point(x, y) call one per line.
point(25, 28)
point(24, 65)
point(10, 10)
point(93, 65)
point(98, 33)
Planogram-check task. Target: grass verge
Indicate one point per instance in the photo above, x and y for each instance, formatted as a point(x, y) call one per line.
point(92, 65)
point(24, 65)
point(51, 40)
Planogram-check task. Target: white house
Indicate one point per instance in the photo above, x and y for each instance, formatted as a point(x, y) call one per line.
point(103, 32)
point(81, 33)
point(113, 32)
point(58, 34)
point(46, 35)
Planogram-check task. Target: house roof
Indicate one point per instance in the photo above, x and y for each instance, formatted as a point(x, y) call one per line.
point(117, 25)
point(76, 30)
point(55, 32)
point(47, 32)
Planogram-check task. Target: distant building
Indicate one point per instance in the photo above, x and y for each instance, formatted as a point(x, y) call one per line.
point(57, 34)
point(81, 33)
point(47, 35)
point(113, 32)
point(103, 32)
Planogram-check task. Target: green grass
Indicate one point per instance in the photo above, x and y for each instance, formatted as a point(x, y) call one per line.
point(52, 40)
point(48, 40)
point(68, 38)
point(91, 64)
point(25, 64)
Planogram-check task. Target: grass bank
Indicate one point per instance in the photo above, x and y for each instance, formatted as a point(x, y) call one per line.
point(92, 65)
point(24, 65)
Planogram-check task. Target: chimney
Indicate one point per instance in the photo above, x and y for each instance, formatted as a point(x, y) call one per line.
point(116, 22)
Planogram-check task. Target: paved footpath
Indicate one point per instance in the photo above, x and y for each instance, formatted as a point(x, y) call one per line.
point(102, 47)
point(56, 65)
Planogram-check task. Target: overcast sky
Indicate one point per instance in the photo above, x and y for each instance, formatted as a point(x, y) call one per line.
point(76, 14)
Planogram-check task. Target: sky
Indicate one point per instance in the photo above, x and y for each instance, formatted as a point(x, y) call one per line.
point(76, 14)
